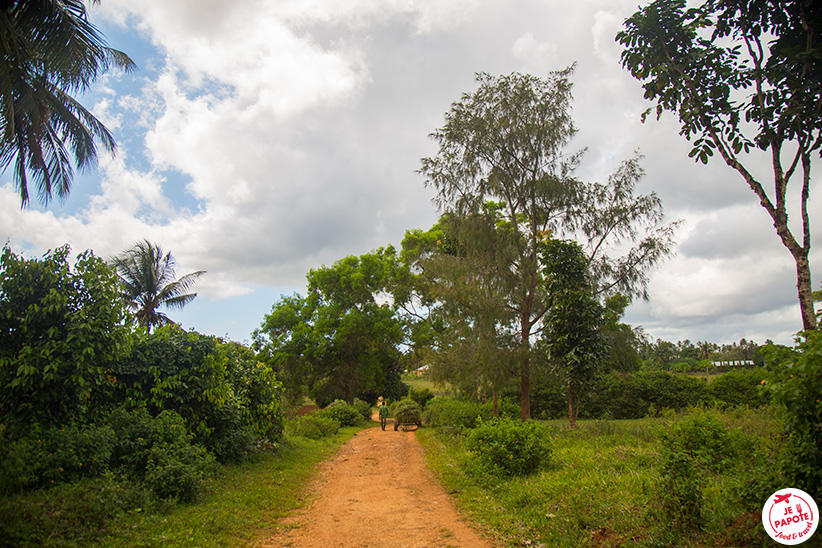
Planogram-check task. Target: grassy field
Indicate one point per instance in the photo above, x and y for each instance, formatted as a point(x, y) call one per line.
point(600, 489)
point(241, 506)
point(414, 381)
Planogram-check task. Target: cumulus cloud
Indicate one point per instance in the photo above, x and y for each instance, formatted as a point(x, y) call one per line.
point(263, 139)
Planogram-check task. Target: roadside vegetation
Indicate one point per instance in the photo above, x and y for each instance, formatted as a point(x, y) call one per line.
point(617, 482)
point(114, 434)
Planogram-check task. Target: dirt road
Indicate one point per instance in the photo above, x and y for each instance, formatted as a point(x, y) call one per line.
point(377, 492)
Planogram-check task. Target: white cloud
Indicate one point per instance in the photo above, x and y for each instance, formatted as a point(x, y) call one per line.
point(264, 138)
point(532, 54)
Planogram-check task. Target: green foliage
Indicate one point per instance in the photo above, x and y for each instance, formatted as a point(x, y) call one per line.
point(238, 508)
point(691, 449)
point(573, 337)
point(314, 426)
point(740, 76)
point(60, 329)
point(255, 387)
point(160, 453)
point(741, 387)
point(795, 386)
point(505, 180)
point(346, 415)
point(445, 411)
point(72, 514)
point(44, 457)
point(226, 396)
point(50, 53)
point(340, 341)
point(148, 282)
point(636, 395)
point(363, 408)
point(421, 395)
point(509, 447)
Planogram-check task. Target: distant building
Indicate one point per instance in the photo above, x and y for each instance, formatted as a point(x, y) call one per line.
point(733, 363)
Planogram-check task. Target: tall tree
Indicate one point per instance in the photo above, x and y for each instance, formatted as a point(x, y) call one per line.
point(147, 280)
point(49, 52)
point(742, 75)
point(61, 329)
point(341, 339)
point(573, 336)
point(504, 145)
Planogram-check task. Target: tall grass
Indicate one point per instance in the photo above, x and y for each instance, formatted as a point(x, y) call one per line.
point(601, 488)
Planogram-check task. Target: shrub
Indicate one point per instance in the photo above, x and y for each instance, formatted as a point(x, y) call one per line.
point(421, 395)
point(509, 447)
point(176, 470)
point(159, 452)
point(343, 413)
point(634, 396)
point(61, 328)
point(363, 408)
point(444, 411)
point(55, 455)
point(692, 448)
point(797, 376)
point(313, 426)
point(227, 398)
point(741, 387)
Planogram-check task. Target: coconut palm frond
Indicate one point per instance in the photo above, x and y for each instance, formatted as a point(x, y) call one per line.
point(148, 282)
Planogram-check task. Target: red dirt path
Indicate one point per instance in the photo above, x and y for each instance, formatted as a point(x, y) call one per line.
point(377, 492)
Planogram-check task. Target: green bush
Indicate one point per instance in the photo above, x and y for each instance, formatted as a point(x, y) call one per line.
point(343, 413)
point(636, 395)
point(741, 387)
point(508, 447)
point(698, 445)
point(797, 376)
point(227, 398)
point(314, 426)
point(50, 456)
point(363, 408)
point(72, 514)
point(160, 453)
point(61, 328)
point(421, 395)
point(176, 470)
point(445, 411)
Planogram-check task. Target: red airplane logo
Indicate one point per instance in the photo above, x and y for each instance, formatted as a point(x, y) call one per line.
point(782, 498)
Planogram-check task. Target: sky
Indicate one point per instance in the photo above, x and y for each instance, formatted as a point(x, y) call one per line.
point(261, 140)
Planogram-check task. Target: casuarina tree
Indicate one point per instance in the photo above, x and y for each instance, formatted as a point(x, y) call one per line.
point(503, 160)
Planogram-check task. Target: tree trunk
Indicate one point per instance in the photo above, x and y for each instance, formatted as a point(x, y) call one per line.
point(572, 416)
point(496, 400)
point(525, 389)
point(805, 290)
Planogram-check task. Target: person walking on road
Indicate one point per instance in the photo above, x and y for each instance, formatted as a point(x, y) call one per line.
point(383, 409)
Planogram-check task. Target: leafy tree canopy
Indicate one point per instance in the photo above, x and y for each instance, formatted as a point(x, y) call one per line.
point(341, 340)
point(61, 328)
point(742, 76)
point(505, 182)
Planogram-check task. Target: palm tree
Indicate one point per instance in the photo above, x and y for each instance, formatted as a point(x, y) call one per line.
point(147, 280)
point(50, 51)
